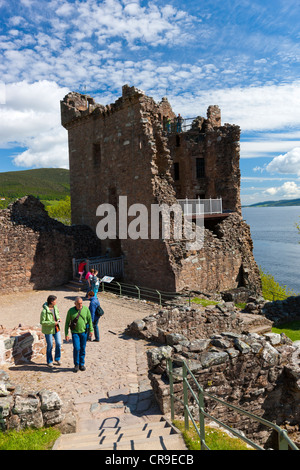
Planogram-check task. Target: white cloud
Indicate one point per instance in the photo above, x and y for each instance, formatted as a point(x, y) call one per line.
point(65, 9)
point(267, 148)
point(289, 190)
point(2, 93)
point(259, 108)
point(27, 3)
point(47, 150)
point(287, 163)
point(17, 21)
point(72, 28)
point(31, 119)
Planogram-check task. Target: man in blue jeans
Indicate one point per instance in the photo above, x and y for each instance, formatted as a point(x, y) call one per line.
point(79, 321)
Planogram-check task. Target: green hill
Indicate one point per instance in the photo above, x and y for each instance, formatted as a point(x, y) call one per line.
point(45, 183)
point(280, 203)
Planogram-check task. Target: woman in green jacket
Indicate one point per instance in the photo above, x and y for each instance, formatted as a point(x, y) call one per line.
point(50, 320)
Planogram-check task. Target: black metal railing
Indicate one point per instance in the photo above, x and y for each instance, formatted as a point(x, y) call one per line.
point(284, 442)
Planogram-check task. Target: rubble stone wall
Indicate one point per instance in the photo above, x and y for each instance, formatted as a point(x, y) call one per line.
point(36, 251)
point(21, 344)
point(258, 372)
point(253, 372)
point(20, 411)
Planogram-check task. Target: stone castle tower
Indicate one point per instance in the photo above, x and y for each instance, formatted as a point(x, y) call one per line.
point(134, 148)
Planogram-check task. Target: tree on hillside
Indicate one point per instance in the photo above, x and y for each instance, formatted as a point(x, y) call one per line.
point(61, 211)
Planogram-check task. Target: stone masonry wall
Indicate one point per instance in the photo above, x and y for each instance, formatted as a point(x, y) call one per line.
point(117, 151)
point(21, 344)
point(219, 147)
point(225, 261)
point(257, 372)
point(250, 371)
point(20, 411)
point(123, 150)
point(36, 251)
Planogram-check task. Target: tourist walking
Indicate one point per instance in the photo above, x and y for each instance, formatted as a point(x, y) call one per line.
point(50, 319)
point(81, 269)
point(79, 321)
point(94, 281)
point(87, 280)
point(96, 312)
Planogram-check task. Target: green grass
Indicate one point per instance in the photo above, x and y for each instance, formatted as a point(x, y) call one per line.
point(272, 291)
point(241, 305)
point(215, 439)
point(29, 439)
point(290, 329)
point(45, 183)
point(203, 302)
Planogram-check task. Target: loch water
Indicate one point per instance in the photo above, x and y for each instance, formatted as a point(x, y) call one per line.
point(276, 242)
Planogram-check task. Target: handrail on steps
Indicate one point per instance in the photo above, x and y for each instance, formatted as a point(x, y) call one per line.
point(284, 442)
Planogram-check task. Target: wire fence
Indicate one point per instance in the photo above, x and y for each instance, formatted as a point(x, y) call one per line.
point(162, 297)
point(140, 293)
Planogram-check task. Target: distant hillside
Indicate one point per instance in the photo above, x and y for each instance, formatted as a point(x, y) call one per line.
point(45, 183)
point(281, 203)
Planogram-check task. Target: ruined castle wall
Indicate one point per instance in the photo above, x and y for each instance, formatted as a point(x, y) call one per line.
point(36, 251)
point(225, 260)
point(123, 150)
point(219, 148)
point(259, 373)
point(120, 152)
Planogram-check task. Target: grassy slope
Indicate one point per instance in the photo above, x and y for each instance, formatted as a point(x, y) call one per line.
point(46, 183)
point(280, 203)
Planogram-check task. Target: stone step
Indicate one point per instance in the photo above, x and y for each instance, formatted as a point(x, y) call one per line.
point(158, 435)
point(115, 433)
point(133, 429)
point(160, 442)
point(260, 330)
point(169, 442)
point(75, 286)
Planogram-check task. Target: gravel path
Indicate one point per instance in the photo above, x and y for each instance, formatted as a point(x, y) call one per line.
point(116, 367)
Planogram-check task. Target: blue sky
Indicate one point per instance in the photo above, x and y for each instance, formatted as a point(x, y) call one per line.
point(241, 55)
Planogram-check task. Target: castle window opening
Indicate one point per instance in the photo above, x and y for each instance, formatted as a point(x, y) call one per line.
point(96, 154)
point(200, 168)
point(176, 171)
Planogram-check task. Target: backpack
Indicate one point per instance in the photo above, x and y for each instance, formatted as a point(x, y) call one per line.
point(95, 281)
point(99, 311)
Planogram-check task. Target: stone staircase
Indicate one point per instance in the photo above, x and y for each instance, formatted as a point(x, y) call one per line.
point(256, 323)
point(76, 286)
point(155, 435)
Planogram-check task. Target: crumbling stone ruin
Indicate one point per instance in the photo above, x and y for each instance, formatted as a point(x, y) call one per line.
point(21, 410)
point(21, 344)
point(234, 356)
point(36, 251)
point(127, 149)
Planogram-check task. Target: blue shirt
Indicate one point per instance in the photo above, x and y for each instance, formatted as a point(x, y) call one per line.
point(94, 303)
